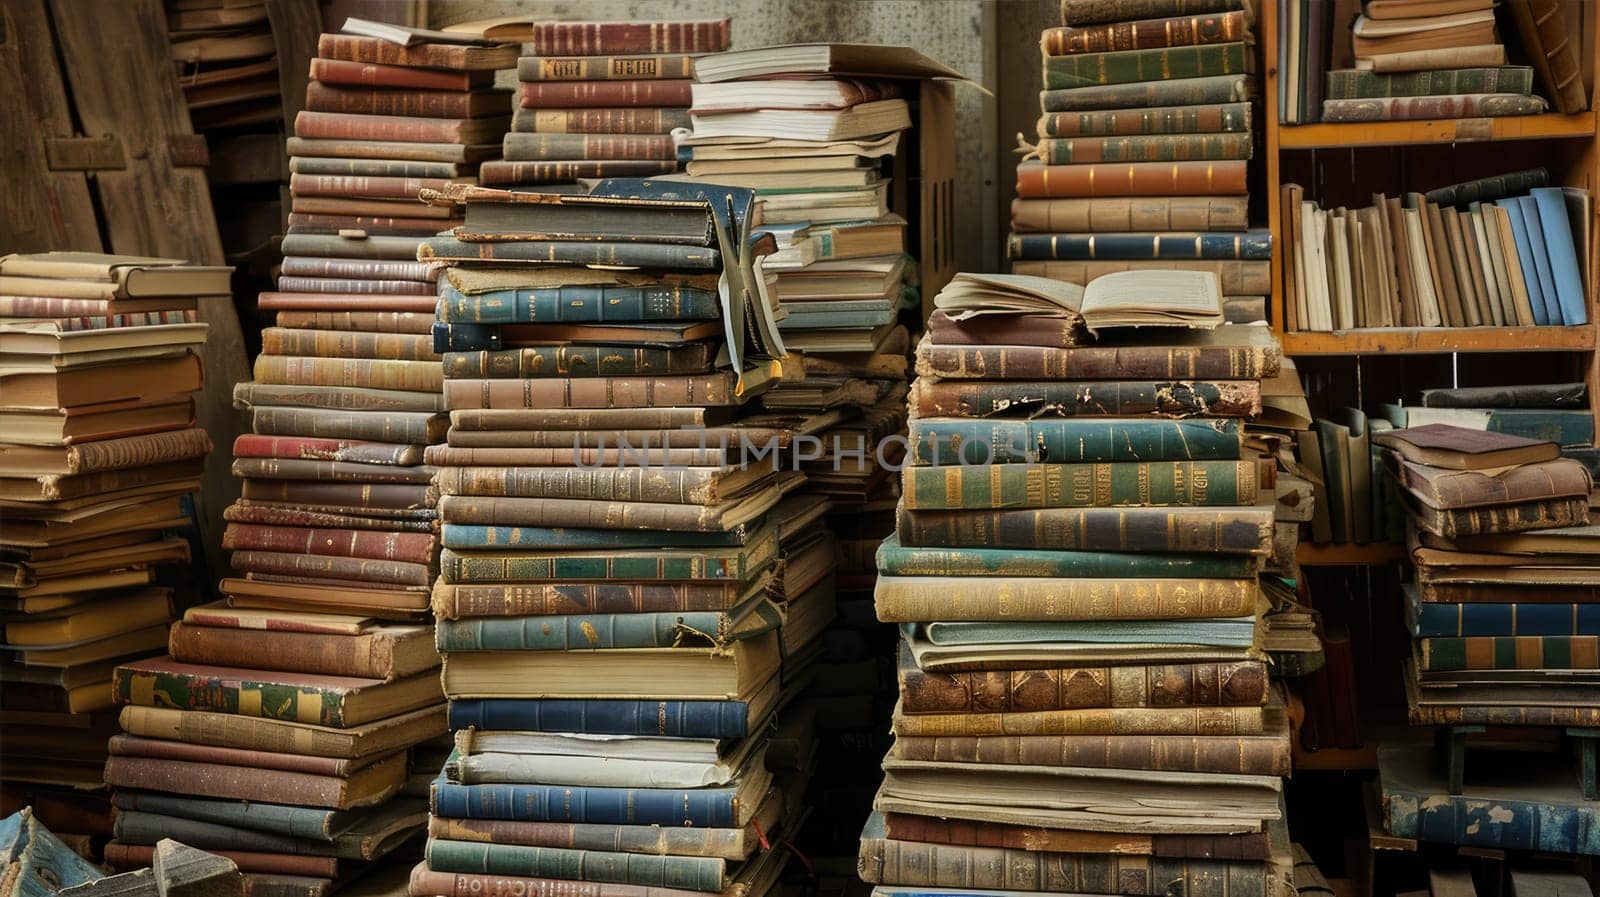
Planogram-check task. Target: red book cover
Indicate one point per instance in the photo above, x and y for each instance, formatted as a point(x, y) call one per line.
point(367, 74)
point(602, 38)
point(587, 94)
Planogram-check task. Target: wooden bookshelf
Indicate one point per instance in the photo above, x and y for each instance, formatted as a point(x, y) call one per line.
point(1334, 135)
point(1438, 340)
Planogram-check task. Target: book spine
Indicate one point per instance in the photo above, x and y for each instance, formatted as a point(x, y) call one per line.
point(894, 559)
point(455, 884)
point(137, 451)
point(579, 361)
point(1407, 108)
point(1142, 148)
point(724, 843)
point(1582, 717)
point(1132, 484)
point(643, 255)
point(153, 748)
point(679, 486)
point(227, 728)
point(1505, 518)
point(1096, 363)
point(1091, 12)
point(361, 49)
point(1241, 683)
point(386, 250)
point(1217, 118)
point(1470, 489)
point(276, 867)
point(343, 71)
point(582, 632)
point(252, 445)
point(1523, 619)
point(1150, 94)
point(370, 321)
point(370, 187)
point(1114, 214)
point(711, 807)
point(1237, 531)
point(394, 168)
point(619, 120)
point(605, 68)
point(1527, 652)
point(268, 515)
point(1215, 28)
point(357, 268)
point(147, 829)
point(599, 94)
point(456, 600)
point(479, 567)
point(335, 222)
point(620, 38)
point(1545, 37)
point(1357, 84)
point(344, 126)
point(370, 373)
point(1249, 846)
point(295, 822)
point(954, 599)
point(1501, 823)
point(671, 719)
point(1116, 721)
point(581, 305)
point(1247, 245)
point(369, 287)
point(329, 399)
point(501, 172)
point(941, 441)
point(1179, 399)
point(212, 780)
point(337, 344)
point(921, 864)
point(591, 392)
point(565, 147)
point(355, 569)
point(392, 496)
point(415, 548)
point(419, 103)
point(408, 429)
point(1122, 67)
point(1225, 178)
point(690, 873)
point(1238, 278)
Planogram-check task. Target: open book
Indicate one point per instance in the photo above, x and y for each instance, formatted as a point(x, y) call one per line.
point(1153, 298)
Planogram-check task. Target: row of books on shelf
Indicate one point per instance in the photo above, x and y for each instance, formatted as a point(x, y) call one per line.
point(1409, 261)
point(1414, 59)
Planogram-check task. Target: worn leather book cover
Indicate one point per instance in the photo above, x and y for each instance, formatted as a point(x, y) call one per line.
point(454, 601)
point(1252, 244)
point(581, 361)
point(293, 564)
point(304, 868)
point(1263, 754)
point(416, 548)
point(226, 729)
point(1467, 105)
point(340, 702)
point(1447, 447)
point(601, 94)
point(941, 441)
point(1087, 721)
point(312, 448)
point(343, 400)
point(393, 496)
point(702, 873)
point(602, 514)
point(1232, 531)
point(369, 321)
point(605, 68)
point(930, 829)
point(711, 563)
point(1122, 484)
point(367, 373)
point(1136, 213)
point(358, 269)
point(365, 186)
point(412, 428)
point(366, 74)
point(679, 485)
point(1506, 518)
point(313, 125)
point(367, 785)
point(349, 302)
point(118, 453)
point(1156, 64)
point(921, 599)
point(1144, 148)
point(1100, 398)
point(409, 102)
point(1161, 93)
point(330, 471)
point(125, 745)
point(1173, 31)
point(461, 884)
point(1036, 180)
point(723, 843)
point(713, 389)
point(617, 120)
point(348, 344)
point(510, 173)
point(1211, 356)
point(340, 285)
point(1446, 489)
point(385, 652)
point(613, 38)
point(572, 147)
point(452, 57)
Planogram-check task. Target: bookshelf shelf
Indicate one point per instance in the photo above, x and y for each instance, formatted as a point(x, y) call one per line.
point(1439, 340)
point(1331, 554)
point(1340, 135)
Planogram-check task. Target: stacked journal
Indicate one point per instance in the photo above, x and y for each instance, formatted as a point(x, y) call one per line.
point(613, 659)
point(1506, 629)
point(1084, 704)
point(600, 99)
point(383, 120)
point(98, 455)
point(225, 58)
point(1143, 152)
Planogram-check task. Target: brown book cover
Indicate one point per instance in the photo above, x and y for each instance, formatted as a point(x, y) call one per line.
point(382, 496)
point(1204, 357)
point(360, 206)
point(365, 786)
point(1085, 398)
point(617, 120)
point(366, 74)
point(419, 103)
point(574, 147)
point(348, 344)
point(605, 68)
point(601, 514)
point(231, 730)
point(905, 827)
point(1237, 277)
point(603, 94)
point(96, 384)
point(507, 173)
point(1227, 178)
point(294, 516)
point(310, 124)
point(372, 187)
point(333, 568)
point(1459, 448)
point(1053, 331)
point(312, 448)
point(416, 548)
point(453, 57)
point(342, 285)
point(545, 38)
point(1438, 487)
point(359, 269)
point(1091, 721)
point(54, 487)
point(390, 224)
point(1239, 683)
point(308, 871)
point(382, 652)
point(460, 884)
point(368, 373)
point(125, 745)
point(454, 601)
point(593, 392)
point(330, 471)
point(1547, 42)
point(1127, 214)
point(408, 322)
point(105, 455)
point(1174, 31)
point(1508, 518)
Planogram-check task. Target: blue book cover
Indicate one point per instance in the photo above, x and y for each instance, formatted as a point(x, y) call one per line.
point(1540, 251)
point(1254, 244)
point(464, 337)
point(1563, 252)
point(36, 862)
point(470, 536)
point(312, 823)
point(895, 559)
point(1530, 276)
point(1430, 620)
point(936, 441)
point(1232, 632)
point(709, 807)
point(582, 632)
point(676, 719)
point(579, 305)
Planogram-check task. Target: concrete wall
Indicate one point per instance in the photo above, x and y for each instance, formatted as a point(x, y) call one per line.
point(959, 33)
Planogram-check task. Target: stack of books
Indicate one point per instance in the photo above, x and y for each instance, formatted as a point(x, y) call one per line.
point(387, 116)
point(1506, 633)
point(99, 453)
point(1143, 153)
point(598, 99)
point(1084, 703)
point(613, 658)
point(227, 63)
point(1504, 251)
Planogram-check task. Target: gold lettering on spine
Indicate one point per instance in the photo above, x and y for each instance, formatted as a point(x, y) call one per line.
point(1082, 484)
point(1102, 485)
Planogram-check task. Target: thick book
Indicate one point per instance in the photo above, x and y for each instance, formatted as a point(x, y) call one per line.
point(1036, 180)
point(1255, 244)
point(574, 632)
point(1172, 31)
point(118, 453)
point(227, 729)
point(507, 173)
point(1351, 84)
point(1232, 531)
point(674, 564)
point(462, 884)
point(883, 860)
point(415, 548)
point(1093, 12)
point(1124, 484)
point(616, 120)
point(453, 601)
point(344, 71)
point(347, 344)
point(284, 820)
point(1506, 804)
point(312, 125)
point(365, 373)
point(1144, 148)
point(1266, 753)
point(723, 843)
point(722, 807)
point(1468, 105)
point(368, 785)
point(1563, 426)
point(1247, 846)
point(689, 872)
point(1118, 214)
point(1490, 188)
point(1150, 94)
point(664, 718)
point(1125, 66)
point(1508, 518)
point(339, 702)
point(896, 559)
point(605, 68)
point(356, 100)
point(520, 147)
point(655, 391)
point(545, 38)
point(1446, 489)
point(1511, 652)
point(912, 599)
point(385, 652)
point(632, 254)
point(1069, 398)
point(1536, 395)
point(951, 441)
point(581, 361)
point(1209, 119)
point(1547, 42)
point(452, 57)
point(1436, 620)
point(1459, 448)
point(679, 485)
point(601, 94)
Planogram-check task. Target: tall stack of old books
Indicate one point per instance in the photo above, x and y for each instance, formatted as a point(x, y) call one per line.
point(597, 99)
point(98, 456)
point(1084, 701)
point(1506, 633)
point(1143, 150)
point(612, 655)
point(386, 116)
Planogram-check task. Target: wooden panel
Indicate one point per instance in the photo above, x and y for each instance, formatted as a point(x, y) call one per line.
point(39, 209)
point(1434, 340)
point(118, 59)
point(296, 25)
point(1439, 130)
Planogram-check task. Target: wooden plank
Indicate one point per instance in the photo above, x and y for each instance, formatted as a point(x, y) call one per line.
point(39, 209)
point(1326, 135)
point(1439, 340)
point(118, 61)
point(296, 25)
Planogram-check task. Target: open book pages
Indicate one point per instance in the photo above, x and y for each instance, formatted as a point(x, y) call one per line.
point(968, 295)
point(1153, 298)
